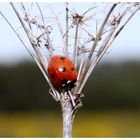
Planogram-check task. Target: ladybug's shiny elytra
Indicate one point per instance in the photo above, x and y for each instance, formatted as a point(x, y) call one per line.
point(62, 72)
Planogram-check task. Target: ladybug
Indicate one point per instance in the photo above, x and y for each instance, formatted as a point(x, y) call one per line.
point(62, 72)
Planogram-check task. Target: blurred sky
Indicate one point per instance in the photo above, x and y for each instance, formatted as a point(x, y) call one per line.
point(126, 46)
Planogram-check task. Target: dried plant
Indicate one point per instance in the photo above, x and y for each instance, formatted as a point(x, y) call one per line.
point(84, 37)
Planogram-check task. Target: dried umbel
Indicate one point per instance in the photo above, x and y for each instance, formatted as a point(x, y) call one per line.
point(84, 38)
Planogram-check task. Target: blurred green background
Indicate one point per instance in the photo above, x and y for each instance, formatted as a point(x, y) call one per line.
point(111, 106)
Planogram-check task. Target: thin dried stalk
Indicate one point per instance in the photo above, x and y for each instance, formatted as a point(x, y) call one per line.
point(85, 67)
point(90, 8)
point(106, 46)
point(34, 45)
point(101, 30)
point(41, 13)
point(29, 51)
point(67, 26)
point(59, 25)
point(81, 66)
point(75, 53)
point(18, 36)
point(26, 15)
point(120, 29)
point(68, 30)
point(91, 68)
point(46, 30)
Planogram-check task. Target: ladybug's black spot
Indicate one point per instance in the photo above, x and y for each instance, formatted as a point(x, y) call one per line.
point(72, 68)
point(53, 76)
point(62, 58)
point(62, 69)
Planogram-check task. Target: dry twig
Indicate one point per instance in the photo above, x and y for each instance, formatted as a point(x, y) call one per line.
point(88, 46)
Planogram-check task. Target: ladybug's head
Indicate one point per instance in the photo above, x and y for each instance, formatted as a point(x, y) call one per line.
point(67, 84)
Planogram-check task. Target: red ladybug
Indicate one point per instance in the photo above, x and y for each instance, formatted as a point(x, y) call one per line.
point(62, 72)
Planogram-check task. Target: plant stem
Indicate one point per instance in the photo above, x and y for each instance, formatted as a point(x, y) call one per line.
point(67, 119)
point(75, 44)
point(67, 32)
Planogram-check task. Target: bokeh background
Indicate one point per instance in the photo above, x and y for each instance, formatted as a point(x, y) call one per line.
point(111, 106)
